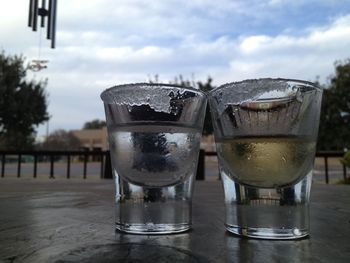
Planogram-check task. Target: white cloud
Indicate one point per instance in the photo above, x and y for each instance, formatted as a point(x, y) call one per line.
point(303, 57)
point(127, 54)
point(253, 44)
point(224, 58)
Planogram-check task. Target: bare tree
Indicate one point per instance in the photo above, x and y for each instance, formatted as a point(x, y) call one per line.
point(61, 140)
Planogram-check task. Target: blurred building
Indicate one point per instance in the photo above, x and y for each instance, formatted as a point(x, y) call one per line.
point(92, 139)
point(96, 140)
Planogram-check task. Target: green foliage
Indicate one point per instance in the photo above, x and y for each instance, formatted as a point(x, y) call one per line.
point(23, 104)
point(334, 131)
point(94, 124)
point(344, 181)
point(61, 140)
point(346, 159)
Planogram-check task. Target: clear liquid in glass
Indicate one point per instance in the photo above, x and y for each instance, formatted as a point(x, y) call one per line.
point(155, 167)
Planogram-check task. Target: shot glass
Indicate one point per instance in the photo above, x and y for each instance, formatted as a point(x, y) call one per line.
point(265, 134)
point(154, 133)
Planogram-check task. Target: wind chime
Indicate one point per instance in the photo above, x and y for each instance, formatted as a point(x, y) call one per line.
point(43, 11)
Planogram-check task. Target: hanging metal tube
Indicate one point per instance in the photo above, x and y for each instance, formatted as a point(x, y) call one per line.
point(50, 12)
point(35, 15)
point(49, 18)
point(54, 11)
point(43, 13)
point(30, 14)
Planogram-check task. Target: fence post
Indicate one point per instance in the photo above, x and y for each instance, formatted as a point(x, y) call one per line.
point(68, 166)
point(3, 159)
point(101, 168)
point(344, 171)
point(201, 165)
point(85, 164)
point(35, 165)
point(326, 168)
point(19, 166)
point(51, 166)
point(108, 167)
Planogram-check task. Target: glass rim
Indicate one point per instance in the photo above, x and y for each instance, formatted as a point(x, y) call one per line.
point(285, 80)
point(146, 85)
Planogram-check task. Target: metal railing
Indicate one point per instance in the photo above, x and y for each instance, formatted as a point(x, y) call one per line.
point(105, 163)
point(51, 156)
point(331, 154)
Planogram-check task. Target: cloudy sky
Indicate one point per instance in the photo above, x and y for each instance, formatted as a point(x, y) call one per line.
point(101, 43)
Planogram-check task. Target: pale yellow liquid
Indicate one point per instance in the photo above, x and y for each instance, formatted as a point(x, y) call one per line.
point(267, 161)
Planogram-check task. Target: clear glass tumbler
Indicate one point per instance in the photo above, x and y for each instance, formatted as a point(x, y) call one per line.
point(265, 133)
point(154, 133)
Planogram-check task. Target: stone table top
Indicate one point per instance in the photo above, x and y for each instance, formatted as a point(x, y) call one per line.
point(73, 221)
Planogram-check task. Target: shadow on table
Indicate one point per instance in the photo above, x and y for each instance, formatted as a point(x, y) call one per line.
point(136, 248)
point(258, 250)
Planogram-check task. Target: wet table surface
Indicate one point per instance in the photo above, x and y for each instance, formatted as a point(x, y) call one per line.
point(72, 221)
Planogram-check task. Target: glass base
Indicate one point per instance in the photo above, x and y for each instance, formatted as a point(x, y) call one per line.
point(152, 229)
point(153, 211)
point(268, 233)
point(267, 213)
